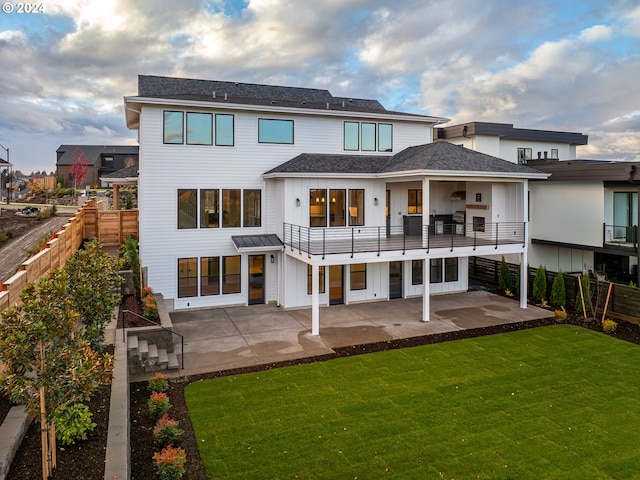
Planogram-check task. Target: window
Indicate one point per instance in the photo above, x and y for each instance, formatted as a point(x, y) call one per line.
point(414, 204)
point(451, 269)
point(317, 208)
point(436, 270)
point(359, 276)
point(369, 137)
point(351, 136)
point(337, 208)
point(209, 276)
point(224, 130)
point(416, 272)
point(187, 277)
point(320, 280)
point(188, 208)
point(356, 207)
point(524, 154)
point(554, 153)
point(199, 128)
point(625, 213)
point(275, 131)
point(231, 274)
point(107, 161)
point(173, 125)
point(252, 209)
point(230, 208)
point(209, 208)
point(385, 136)
point(478, 224)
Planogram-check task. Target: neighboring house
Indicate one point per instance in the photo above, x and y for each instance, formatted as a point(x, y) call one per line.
point(255, 194)
point(102, 161)
point(585, 218)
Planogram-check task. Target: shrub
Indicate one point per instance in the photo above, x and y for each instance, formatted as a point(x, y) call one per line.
point(586, 290)
point(504, 280)
point(170, 463)
point(5, 235)
point(609, 326)
point(561, 315)
point(540, 284)
point(72, 423)
point(158, 405)
point(632, 284)
point(149, 304)
point(166, 430)
point(131, 256)
point(558, 291)
point(158, 383)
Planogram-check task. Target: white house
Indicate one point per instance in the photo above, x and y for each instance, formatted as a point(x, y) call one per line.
point(256, 194)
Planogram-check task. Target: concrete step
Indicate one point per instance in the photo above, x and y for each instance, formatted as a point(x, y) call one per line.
point(132, 345)
point(173, 361)
point(143, 349)
point(163, 357)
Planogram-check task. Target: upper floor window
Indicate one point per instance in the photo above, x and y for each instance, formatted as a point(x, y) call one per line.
point(187, 208)
point(524, 155)
point(209, 208)
point(238, 208)
point(107, 161)
point(318, 208)
point(199, 128)
point(231, 208)
point(340, 207)
point(414, 203)
point(225, 130)
point(252, 208)
point(173, 127)
point(275, 131)
point(368, 137)
point(554, 153)
point(337, 216)
point(356, 207)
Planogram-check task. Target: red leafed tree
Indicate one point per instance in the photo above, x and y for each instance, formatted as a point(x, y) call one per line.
point(79, 167)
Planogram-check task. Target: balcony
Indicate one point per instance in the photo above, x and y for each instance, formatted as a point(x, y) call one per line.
point(351, 240)
point(621, 237)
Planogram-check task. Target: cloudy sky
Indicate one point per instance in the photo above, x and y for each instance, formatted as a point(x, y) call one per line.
point(543, 64)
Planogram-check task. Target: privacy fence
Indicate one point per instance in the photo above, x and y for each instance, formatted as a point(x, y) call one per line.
point(624, 302)
point(111, 226)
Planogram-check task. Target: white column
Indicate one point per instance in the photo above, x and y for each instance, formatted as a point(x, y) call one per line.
point(426, 300)
point(315, 300)
point(425, 210)
point(524, 268)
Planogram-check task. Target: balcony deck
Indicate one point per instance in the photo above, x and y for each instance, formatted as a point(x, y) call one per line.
point(341, 240)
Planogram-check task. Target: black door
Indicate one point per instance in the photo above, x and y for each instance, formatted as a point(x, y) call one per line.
point(395, 279)
point(336, 287)
point(256, 279)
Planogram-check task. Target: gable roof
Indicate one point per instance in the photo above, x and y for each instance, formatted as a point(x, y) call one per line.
point(434, 158)
point(93, 152)
point(4, 163)
point(508, 132)
point(223, 92)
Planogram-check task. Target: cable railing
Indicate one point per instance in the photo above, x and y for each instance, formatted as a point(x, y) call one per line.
point(340, 240)
point(124, 339)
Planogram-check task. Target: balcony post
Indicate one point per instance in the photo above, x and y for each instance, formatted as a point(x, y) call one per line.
point(315, 300)
point(426, 299)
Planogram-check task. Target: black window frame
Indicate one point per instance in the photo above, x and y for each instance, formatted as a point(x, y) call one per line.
point(164, 127)
point(204, 114)
point(233, 130)
point(283, 120)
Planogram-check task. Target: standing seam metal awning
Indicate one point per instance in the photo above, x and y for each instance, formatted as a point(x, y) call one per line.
point(257, 243)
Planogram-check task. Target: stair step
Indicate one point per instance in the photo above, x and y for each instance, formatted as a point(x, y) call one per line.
point(173, 361)
point(153, 351)
point(163, 357)
point(132, 342)
point(143, 348)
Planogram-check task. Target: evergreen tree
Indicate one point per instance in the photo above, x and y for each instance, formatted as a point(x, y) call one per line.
point(504, 280)
point(558, 291)
point(586, 291)
point(540, 284)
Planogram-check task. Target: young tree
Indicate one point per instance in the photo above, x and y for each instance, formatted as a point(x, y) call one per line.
point(504, 280)
point(47, 366)
point(586, 293)
point(540, 284)
point(79, 167)
point(92, 281)
point(558, 291)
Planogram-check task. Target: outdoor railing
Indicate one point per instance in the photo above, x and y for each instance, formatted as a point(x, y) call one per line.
point(625, 236)
point(340, 240)
point(157, 325)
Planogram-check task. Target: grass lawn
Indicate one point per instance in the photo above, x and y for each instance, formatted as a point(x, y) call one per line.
point(546, 403)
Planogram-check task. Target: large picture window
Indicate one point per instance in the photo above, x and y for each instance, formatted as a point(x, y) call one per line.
point(252, 215)
point(209, 276)
point(231, 274)
point(230, 208)
point(321, 281)
point(209, 208)
point(173, 127)
point(356, 207)
point(524, 155)
point(187, 277)
point(358, 276)
point(414, 203)
point(337, 216)
point(199, 128)
point(318, 208)
point(187, 208)
point(368, 136)
point(225, 130)
point(275, 131)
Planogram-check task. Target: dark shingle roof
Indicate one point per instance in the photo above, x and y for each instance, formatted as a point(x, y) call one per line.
point(151, 86)
point(128, 172)
point(93, 152)
point(440, 156)
point(256, 242)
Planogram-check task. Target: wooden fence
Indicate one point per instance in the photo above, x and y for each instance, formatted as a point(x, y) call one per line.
point(624, 302)
point(111, 227)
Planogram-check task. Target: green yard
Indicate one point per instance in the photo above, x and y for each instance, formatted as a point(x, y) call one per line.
point(547, 403)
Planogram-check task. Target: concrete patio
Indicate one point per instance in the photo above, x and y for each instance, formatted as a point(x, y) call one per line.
point(236, 337)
